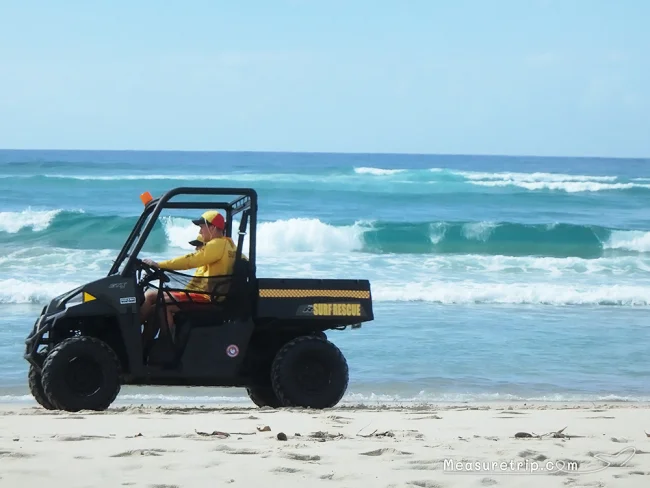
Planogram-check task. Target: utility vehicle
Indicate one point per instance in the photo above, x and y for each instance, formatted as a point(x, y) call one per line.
point(264, 334)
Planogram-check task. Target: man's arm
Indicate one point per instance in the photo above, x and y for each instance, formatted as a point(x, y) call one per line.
point(210, 253)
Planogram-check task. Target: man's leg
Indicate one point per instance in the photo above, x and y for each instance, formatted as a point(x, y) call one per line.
point(149, 331)
point(171, 310)
point(147, 306)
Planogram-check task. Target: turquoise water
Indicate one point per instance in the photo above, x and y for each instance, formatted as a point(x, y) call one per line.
point(493, 277)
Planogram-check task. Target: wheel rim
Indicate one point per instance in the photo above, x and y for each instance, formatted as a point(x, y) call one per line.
point(312, 375)
point(83, 376)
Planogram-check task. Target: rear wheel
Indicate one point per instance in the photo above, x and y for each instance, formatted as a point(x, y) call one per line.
point(309, 372)
point(36, 388)
point(81, 373)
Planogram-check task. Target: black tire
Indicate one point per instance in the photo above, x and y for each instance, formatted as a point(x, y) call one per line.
point(309, 372)
point(36, 388)
point(81, 373)
point(263, 396)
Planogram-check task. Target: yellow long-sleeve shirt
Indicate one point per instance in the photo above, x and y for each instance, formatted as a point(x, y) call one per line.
point(216, 258)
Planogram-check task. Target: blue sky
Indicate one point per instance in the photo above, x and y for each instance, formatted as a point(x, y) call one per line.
point(526, 77)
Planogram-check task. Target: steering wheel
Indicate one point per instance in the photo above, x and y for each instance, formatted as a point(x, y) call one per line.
point(152, 273)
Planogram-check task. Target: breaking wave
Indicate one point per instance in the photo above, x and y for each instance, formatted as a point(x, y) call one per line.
point(79, 230)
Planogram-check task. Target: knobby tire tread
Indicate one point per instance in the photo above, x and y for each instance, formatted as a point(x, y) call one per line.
point(279, 358)
point(36, 389)
point(57, 349)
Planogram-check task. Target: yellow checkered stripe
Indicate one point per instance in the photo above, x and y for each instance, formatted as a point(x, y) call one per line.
point(280, 293)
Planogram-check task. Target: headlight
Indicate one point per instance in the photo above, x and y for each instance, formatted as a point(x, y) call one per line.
point(75, 300)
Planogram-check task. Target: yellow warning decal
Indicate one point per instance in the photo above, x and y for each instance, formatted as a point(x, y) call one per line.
point(88, 297)
point(338, 309)
point(280, 293)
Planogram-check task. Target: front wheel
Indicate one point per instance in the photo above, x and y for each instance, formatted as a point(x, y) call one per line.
point(81, 373)
point(309, 372)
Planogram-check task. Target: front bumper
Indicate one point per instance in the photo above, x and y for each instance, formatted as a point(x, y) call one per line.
point(43, 325)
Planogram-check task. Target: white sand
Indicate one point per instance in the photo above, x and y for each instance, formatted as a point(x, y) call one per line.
point(159, 446)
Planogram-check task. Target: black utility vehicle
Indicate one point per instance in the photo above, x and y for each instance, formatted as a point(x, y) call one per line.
point(264, 334)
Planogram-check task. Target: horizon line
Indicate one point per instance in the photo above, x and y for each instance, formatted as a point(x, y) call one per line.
point(342, 153)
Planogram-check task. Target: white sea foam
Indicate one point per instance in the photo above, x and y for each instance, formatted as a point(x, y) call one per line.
point(471, 292)
point(567, 186)
point(378, 176)
point(38, 220)
point(38, 292)
point(629, 240)
point(442, 291)
point(377, 171)
point(479, 231)
point(47, 260)
point(547, 181)
point(281, 236)
point(532, 177)
point(437, 232)
point(237, 396)
point(248, 177)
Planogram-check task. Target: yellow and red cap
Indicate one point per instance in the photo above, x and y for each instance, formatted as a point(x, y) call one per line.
point(211, 217)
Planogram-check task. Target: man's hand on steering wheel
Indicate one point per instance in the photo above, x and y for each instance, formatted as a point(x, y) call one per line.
point(153, 271)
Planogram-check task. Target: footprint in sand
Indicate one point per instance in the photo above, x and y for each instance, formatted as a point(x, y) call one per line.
point(528, 454)
point(423, 464)
point(285, 470)
point(339, 420)
point(14, 454)
point(639, 473)
point(386, 451)
point(142, 452)
point(240, 451)
point(164, 486)
point(619, 439)
point(488, 482)
point(302, 457)
point(73, 438)
point(425, 484)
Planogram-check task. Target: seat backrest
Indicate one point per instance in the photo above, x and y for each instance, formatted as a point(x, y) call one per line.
point(239, 280)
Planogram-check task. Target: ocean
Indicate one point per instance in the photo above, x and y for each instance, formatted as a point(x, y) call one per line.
point(493, 277)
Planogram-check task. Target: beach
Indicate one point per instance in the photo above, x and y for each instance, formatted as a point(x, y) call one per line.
point(501, 444)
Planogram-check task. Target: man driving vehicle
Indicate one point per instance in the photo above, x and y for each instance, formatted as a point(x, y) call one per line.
point(216, 257)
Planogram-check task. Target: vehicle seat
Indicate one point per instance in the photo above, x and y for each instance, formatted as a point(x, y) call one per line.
point(230, 304)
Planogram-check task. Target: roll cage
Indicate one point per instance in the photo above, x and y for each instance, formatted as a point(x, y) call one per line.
point(245, 204)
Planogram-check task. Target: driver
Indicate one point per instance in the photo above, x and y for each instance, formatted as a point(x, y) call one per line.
point(215, 258)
